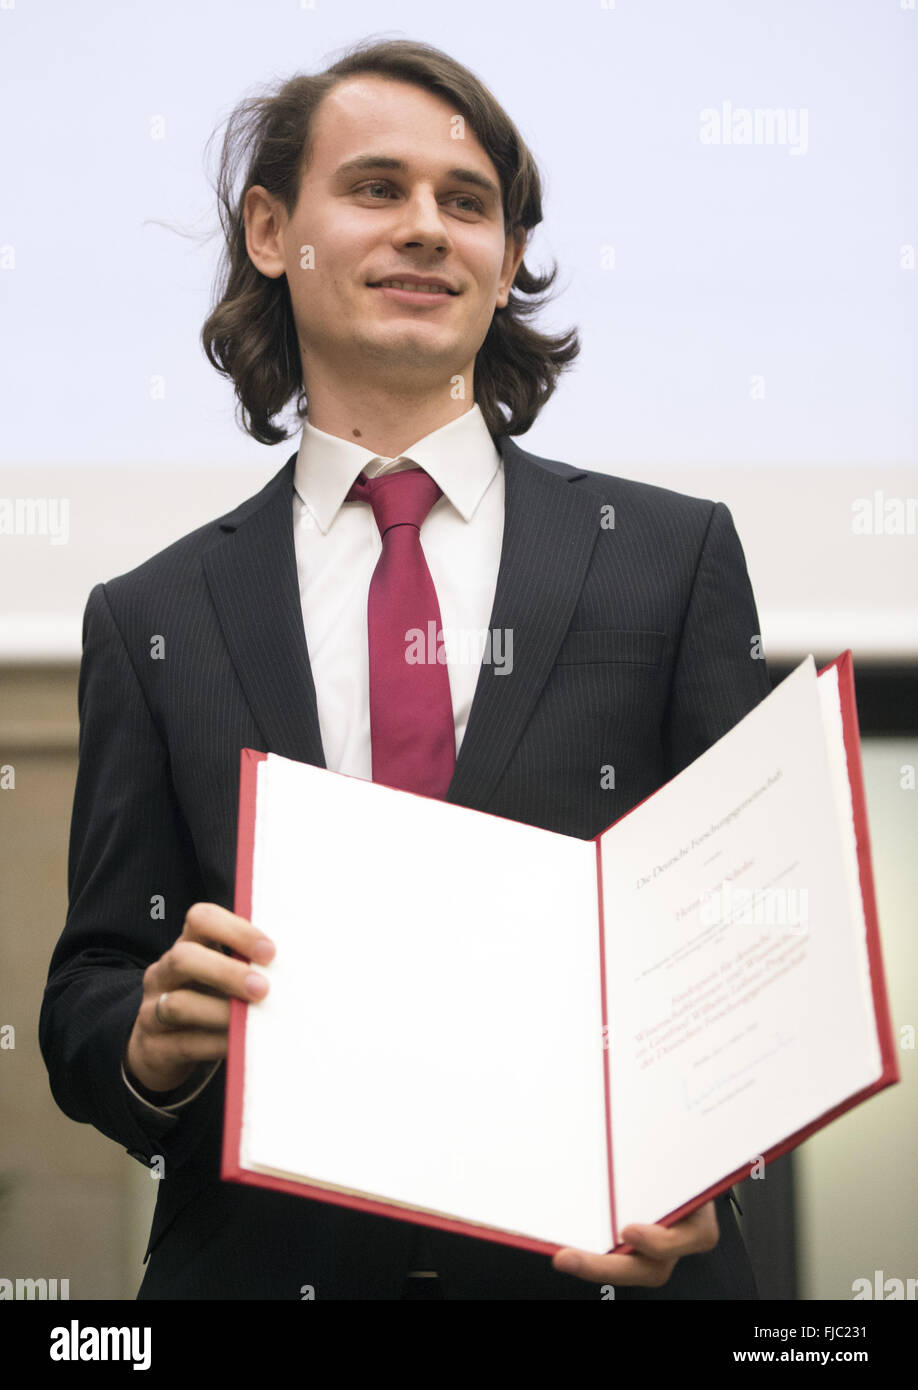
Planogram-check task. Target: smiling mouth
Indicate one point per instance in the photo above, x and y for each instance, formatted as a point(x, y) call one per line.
point(410, 287)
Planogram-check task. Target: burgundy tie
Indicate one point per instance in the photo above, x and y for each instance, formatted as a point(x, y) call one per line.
point(411, 712)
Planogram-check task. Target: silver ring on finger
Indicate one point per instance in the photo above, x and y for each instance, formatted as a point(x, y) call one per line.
point(163, 1022)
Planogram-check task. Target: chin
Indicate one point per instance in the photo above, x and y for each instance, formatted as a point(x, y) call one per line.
point(411, 348)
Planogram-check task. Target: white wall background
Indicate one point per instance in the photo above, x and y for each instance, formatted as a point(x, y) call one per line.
point(748, 311)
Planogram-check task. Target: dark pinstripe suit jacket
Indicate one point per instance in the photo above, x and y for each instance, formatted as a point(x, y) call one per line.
point(632, 646)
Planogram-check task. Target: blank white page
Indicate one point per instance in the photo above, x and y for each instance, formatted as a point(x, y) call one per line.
point(432, 1033)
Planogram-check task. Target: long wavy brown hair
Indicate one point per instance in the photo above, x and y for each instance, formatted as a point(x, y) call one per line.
point(250, 335)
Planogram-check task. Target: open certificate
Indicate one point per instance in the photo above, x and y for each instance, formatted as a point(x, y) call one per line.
point(498, 1030)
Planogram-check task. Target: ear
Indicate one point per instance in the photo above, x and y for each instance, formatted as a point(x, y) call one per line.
point(513, 254)
point(264, 225)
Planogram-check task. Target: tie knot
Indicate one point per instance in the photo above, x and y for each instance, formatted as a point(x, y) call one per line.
point(397, 499)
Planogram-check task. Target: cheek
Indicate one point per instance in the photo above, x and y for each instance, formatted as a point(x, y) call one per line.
point(490, 284)
point(315, 256)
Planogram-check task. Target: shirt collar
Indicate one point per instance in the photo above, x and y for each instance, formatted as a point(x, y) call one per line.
point(460, 456)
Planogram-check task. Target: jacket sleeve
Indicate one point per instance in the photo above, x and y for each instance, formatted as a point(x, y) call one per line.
point(720, 672)
point(132, 876)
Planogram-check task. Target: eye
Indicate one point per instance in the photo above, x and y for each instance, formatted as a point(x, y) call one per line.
point(377, 183)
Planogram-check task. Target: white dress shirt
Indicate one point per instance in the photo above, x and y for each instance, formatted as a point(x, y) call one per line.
point(337, 546)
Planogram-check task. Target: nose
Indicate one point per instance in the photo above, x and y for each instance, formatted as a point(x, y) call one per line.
point(421, 222)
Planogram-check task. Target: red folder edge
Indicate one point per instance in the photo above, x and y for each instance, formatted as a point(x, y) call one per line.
point(607, 1083)
point(235, 1050)
point(890, 1074)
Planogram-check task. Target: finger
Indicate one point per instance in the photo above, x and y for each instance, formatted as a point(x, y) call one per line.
point(183, 1047)
point(184, 1009)
point(695, 1233)
point(192, 963)
point(614, 1269)
point(217, 926)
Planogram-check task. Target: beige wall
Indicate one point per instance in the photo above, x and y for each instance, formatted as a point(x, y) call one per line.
point(73, 1202)
point(77, 1207)
point(857, 1195)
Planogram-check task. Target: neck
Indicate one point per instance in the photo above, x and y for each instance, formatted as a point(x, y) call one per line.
point(378, 418)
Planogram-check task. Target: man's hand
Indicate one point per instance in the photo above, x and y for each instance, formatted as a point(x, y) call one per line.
point(173, 1035)
point(657, 1248)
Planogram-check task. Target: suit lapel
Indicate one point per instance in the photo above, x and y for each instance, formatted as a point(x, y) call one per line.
point(251, 573)
point(550, 529)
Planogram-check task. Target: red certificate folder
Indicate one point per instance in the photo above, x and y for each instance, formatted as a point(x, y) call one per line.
point(503, 1032)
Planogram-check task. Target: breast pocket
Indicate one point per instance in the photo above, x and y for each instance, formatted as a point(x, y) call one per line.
point(583, 646)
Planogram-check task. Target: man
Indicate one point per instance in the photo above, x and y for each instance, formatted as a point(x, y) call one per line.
point(375, 264)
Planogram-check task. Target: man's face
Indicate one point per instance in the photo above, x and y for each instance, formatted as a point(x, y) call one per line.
point(390, 193)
